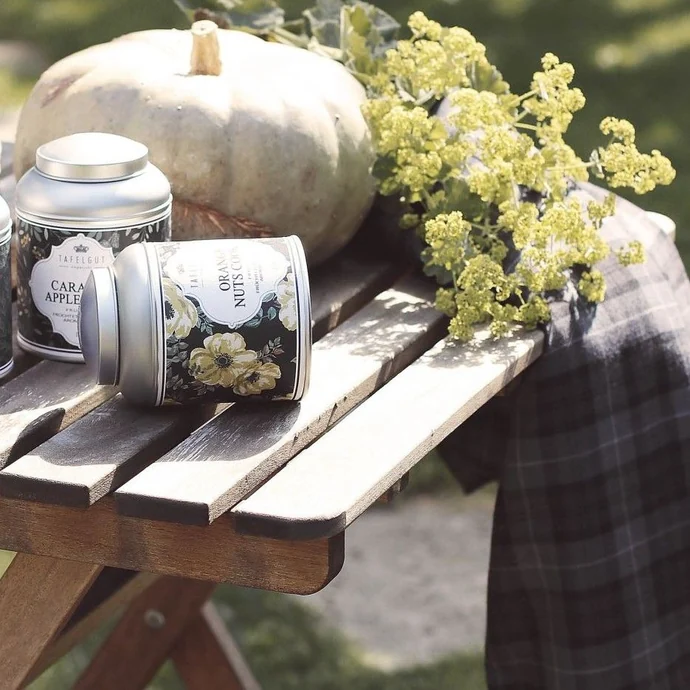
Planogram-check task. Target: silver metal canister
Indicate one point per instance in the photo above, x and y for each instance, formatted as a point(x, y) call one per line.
point(88, 197)
point(204, 321)
point(5, 291)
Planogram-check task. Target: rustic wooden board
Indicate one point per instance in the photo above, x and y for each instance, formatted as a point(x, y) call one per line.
point(207, 658)
point(72, 469)
point(99, 452)
point(216, 552)
point(345, 285)
point(324, 488)
point(37, 596)
point(42, 401)
point(220, 463)
point(145, 635)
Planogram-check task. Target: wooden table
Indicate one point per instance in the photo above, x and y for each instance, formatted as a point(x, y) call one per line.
point(112, 507)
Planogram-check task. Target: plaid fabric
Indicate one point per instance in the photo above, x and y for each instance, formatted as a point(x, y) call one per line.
point(589, 582)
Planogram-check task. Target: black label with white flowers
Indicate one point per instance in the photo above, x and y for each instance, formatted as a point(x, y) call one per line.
point(53, 265)
point(231, 320)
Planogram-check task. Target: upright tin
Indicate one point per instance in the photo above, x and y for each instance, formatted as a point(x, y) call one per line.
point(88, 197)
point(205, 321)
point(5, 291)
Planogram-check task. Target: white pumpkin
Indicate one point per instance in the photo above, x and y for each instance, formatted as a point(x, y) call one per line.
point(256, 138)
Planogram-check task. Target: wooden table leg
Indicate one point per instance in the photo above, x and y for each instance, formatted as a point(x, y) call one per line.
point(207, 657)
point(145, 635)
point(37, 596)
point(84, 622)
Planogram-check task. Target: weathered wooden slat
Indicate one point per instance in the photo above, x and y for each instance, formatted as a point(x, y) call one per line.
point(42, 401)
point(216, 552)
point(37, 595)
point(220, 463)
point(207, 658)
point(73, 469)
point(99, 452)
point(322, 490)
point(145, 635)
point(395, 489)
point(78, 630)
point(345, 285)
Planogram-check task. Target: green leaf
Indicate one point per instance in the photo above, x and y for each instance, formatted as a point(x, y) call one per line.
point(258, 15)
point(458, 197)
point(323, 22)
point(442, 276)
point(366, 34)
point(361, 31)
point(485, 77)
point(384, 167)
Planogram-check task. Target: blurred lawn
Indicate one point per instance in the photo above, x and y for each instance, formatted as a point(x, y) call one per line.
point(632, 56)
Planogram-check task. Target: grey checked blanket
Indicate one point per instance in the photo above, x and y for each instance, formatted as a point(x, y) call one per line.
point(589, 582)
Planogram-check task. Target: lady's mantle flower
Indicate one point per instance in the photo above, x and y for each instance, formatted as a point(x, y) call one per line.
point(222, 361)
point(625, 166)
point(288, 303)
point(256, 378)
point(180, 314)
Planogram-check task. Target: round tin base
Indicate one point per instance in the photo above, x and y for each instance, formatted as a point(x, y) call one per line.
point(74, 356)
point(6, 368)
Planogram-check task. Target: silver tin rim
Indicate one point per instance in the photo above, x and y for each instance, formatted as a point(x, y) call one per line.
point(303, 294)
point(108, 362)
point(139, 355)
point(74, 222)
point(6, 368)
point(52, 162)
point(48, 352)
point(5, 236)
point(157, 321)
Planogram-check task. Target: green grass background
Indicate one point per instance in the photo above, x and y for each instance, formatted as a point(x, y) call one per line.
point(632, 59)
point(632, 56)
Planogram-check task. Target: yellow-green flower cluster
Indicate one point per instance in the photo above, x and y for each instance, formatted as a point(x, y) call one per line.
point(460, 172)
point(551, 99)
point(448, 239)
point(622, 164)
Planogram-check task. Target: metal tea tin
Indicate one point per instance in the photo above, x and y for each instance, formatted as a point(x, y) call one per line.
point(88, 197)
point(205, 321)
point(5, 291)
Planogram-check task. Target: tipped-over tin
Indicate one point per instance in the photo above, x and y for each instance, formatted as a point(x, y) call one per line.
point(204, 321)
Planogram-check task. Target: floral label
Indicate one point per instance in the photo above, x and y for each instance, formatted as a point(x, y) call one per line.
point(57, 282)
point(53, 265)
point(228, 278)
point(231, 320)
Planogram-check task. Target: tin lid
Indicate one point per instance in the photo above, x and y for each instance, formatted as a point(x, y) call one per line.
point(110, 204)
point(99, 336)
point(91, 156)
point(304, 310)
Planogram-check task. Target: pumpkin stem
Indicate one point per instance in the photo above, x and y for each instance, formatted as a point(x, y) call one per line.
point(205, 49)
